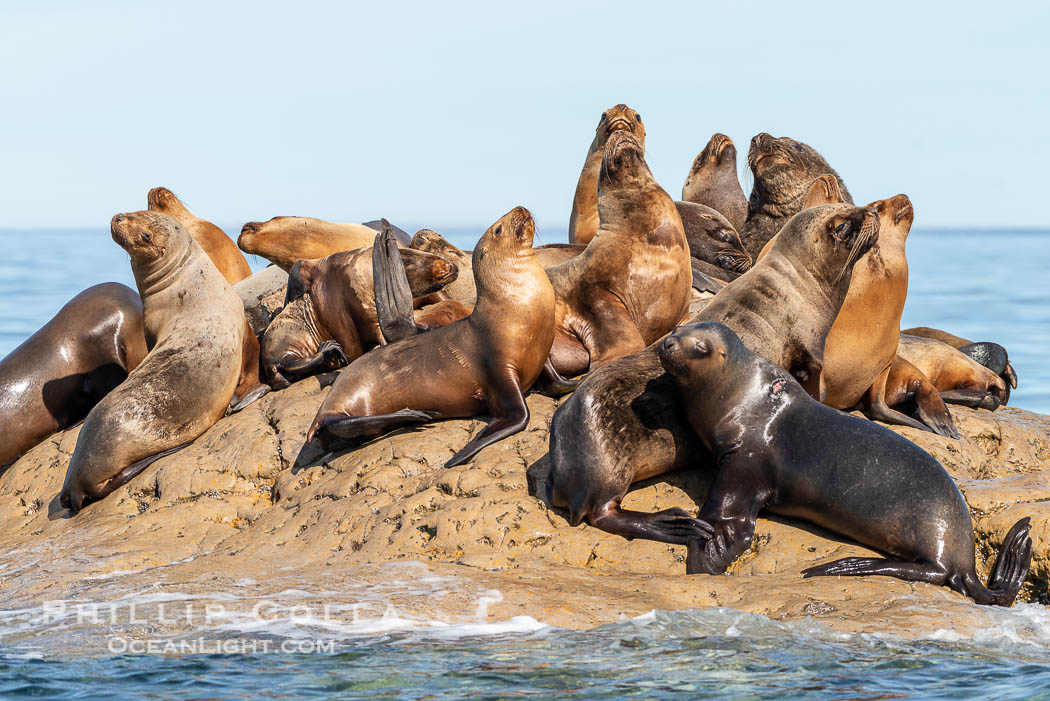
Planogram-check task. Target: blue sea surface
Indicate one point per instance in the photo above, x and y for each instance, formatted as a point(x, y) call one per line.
point(983, 285)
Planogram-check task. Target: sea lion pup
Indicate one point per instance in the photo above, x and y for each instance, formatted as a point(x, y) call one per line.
point(284, 240)
point(584, 221)
point(219, 247)
point(54, 378)
point(330, 318)
point(632, 283)
point(195, 326)
point(867, 483)
point(482, 363)
point(712, 181)
point(957, 377)
point(713, 241)
point(783, 170)
point(623, 423)
point(987, 353)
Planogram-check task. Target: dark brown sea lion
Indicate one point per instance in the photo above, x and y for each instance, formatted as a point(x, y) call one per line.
point(989, 354)
point(865, 482)
point(284, 240)
point(623, 423)
point(783, 170)
point(484, 362)
point(713, 240)
point(712, 181)
point(219, 247)
point(58, 374)
point(194, 326)
point(584, 221)
point(330, 316)
point(958, 378)
point(632, 283)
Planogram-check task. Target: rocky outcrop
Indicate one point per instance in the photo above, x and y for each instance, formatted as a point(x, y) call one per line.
point(246, 499)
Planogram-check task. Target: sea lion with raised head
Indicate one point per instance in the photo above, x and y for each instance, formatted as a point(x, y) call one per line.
point(54, 378)
point(783, 171)
point(632, 283)
point(284, 240)
point(866, 482)
point(330, 318)
point(584, 220)
point(623, 423)
point(712, 181)
point(219, 247)
point(194, 326)
point(484, 362)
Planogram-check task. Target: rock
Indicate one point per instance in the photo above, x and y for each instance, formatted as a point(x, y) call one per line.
point(246, 500)
point(263, 296)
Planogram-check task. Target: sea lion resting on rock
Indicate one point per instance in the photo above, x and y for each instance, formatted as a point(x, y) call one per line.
point(783, 170)
point(958, 378)
point(584, 221)
point(632, 284)
point(712, 181)
point(195, 326)
point(330, 315)
point(219, 247)
point(778, 449)
point(54, 378)
point(623, 424)
point(284, 240)
point(989, 354)
point(714, 245)
point(484, 362)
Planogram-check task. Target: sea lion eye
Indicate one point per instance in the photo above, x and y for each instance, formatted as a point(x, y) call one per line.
point(842, 230)
point(498, 231)
point(146, 236)
point(725, 236)
point(637, 117)
point(798, 147)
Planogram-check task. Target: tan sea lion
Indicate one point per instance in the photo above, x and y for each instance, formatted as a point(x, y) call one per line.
point(330, 317)
point(632, 283)
point(958, 378)
point(712, 181)
point(54, 378)
point(219, 247)
point(623, 424)
point(584, 222)
point(484, 362)
point(284, 240)
point(194, 326)
point(783, 170)
point(864, 482)
point(989, 354)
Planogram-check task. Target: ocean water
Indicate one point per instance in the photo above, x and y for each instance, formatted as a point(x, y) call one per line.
point(984, 285)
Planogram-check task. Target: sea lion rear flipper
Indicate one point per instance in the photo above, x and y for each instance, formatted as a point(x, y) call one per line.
point(702, 282)
point(393, 295)
point(402, 236)
point(329, 356)
point(552, 384)
point(239, 403)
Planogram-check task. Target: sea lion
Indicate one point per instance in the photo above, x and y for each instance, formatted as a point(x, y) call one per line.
point(623, 424)
point(866, 482)
point(284, 240)
point(330, 315)
point(632, 283)
point(712, 181)
point(989, 354)
point(958, 378)
point(194, 325)
point(713, 241)
point(584, 220)
point(484, 362)
point(783, 170)
point(54, 378)
point(219, 247)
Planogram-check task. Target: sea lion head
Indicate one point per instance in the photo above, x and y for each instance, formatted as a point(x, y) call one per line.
point(895, 216)
point(719, 154)
point(784, 168)
point(161, 199)
point(713, 239)
point(433, 242)
point(623, 165)
point(429, 271)
point(513, 232)
point(148, 236)
point(693, 352)
point(253, 232)
point(828, 239)
point(618, 118)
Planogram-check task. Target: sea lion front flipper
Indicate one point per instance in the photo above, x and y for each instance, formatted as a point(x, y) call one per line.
point(934, 415)
point(868, 566)
point(552, 384)
point(973, 398)
point(237, 404)
point(673, 525)
point(393, 296)
point(329, 356)
point(510, 416)
point(362, 428)
point(702, 282)
point(76, 500)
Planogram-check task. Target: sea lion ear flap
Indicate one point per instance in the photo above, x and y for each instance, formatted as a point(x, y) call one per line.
point(824, 190)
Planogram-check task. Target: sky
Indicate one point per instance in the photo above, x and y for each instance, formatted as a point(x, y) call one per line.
point(450, 114)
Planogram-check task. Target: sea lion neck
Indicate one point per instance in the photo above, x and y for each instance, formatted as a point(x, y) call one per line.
point(155, 276)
